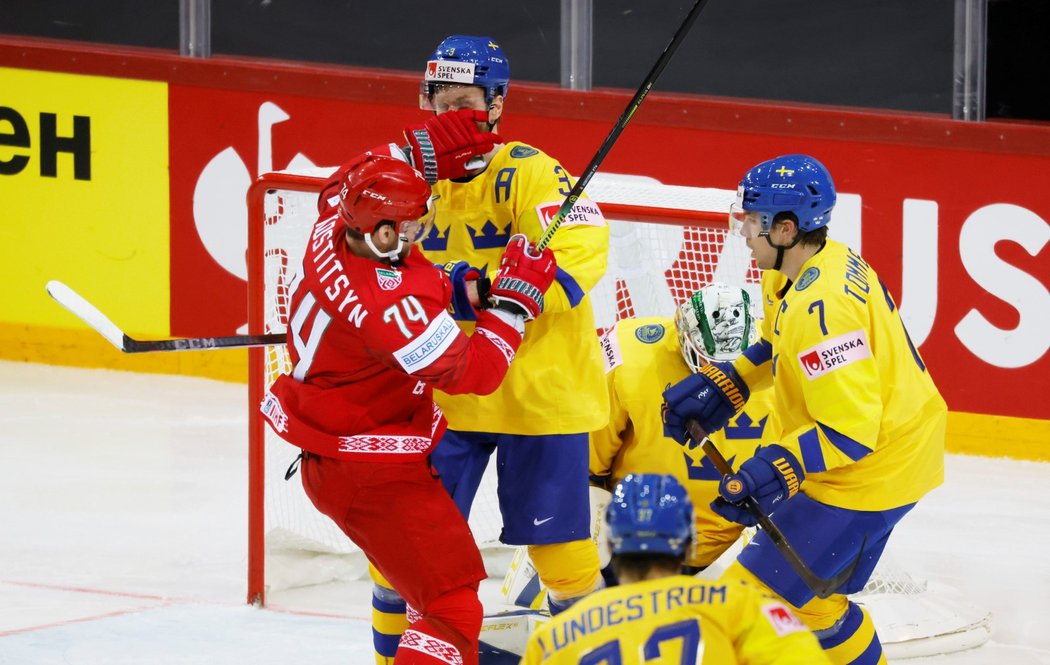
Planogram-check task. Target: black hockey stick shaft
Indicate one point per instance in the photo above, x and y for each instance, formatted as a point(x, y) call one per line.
point(821, 587)
point(621, 123)
point(201, 343)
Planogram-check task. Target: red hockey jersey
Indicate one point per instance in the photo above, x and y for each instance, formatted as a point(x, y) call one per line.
point(368, 343)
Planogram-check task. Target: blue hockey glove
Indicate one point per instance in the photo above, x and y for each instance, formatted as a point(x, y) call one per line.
point(771, 476)
point(710, 397)
point(459, 273)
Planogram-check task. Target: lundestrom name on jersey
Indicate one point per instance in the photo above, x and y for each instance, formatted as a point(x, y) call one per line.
point(834, 353)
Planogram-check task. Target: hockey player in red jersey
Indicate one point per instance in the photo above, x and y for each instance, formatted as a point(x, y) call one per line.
point(370, 337)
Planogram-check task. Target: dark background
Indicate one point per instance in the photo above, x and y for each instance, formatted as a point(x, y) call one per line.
point(883, 54)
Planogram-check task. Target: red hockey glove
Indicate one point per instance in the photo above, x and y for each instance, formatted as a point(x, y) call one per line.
point(524, 276)
point(443, 145)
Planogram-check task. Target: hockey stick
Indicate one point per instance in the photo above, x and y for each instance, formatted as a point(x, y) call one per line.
point(621, 123)
point(91, 315)
point(820, 586)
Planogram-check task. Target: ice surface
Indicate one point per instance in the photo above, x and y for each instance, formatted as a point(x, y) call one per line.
point(123, 508)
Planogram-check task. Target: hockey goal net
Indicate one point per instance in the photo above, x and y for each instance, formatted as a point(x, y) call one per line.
point(665, 243)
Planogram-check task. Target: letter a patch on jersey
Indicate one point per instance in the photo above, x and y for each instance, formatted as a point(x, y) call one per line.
point(835, 353)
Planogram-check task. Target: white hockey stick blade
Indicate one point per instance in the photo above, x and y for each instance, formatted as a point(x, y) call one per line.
point(91, 315)
point(87, 313)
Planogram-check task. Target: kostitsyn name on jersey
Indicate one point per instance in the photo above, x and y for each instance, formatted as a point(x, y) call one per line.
point(323, 249)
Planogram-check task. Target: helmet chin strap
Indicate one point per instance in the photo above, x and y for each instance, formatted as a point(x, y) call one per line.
point(393, 255)
point(781, 249)
point(491, 105)
point(492, 123)
point(780, 258)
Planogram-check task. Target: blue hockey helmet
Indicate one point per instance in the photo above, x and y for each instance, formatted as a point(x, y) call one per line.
point(798, 184)
point(650, 513)
point(467, 60)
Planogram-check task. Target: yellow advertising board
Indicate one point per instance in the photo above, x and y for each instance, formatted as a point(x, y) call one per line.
point(84, 192)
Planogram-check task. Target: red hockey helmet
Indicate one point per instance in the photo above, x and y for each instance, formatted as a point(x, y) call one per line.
point(384, 189)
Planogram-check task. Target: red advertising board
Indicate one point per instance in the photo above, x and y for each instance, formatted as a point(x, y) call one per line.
point(960, 234)
point(953, 215)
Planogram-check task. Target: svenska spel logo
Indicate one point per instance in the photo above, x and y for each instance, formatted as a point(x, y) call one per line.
point(811, 363)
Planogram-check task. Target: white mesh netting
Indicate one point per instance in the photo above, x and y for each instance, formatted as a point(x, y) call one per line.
point(652, 268)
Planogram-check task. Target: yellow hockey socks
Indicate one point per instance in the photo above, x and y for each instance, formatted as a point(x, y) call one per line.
point(388, 618)
point(570, 571)
point(852, 639)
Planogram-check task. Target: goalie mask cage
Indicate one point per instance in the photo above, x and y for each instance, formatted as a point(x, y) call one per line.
point(665, 243)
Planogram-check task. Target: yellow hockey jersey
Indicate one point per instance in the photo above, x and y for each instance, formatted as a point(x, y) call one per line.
point(853, 399)
point(555, 384)
point(675, 620)
point(642, 358)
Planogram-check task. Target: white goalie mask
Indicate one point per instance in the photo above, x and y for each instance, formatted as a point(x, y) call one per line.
point(714, 325)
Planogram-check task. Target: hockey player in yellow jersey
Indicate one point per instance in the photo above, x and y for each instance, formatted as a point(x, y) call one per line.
point(642, 357)
point(857, 430)
point(657, 615)
point(537, 422)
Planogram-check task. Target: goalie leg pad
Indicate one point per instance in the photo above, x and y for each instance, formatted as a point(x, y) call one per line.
point(522, 586)
point(504, 636)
